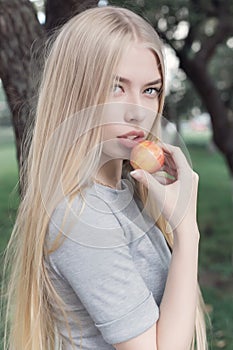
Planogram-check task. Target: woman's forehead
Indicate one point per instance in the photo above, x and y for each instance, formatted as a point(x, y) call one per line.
point(138, 62)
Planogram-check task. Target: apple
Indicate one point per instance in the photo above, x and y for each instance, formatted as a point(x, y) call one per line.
point(147, 155)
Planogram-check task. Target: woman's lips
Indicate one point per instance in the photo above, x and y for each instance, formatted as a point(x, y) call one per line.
point(127, 139)
point(128, 142)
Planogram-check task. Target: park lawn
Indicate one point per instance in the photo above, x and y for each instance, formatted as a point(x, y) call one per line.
point(8, 197)
point(8, 192)
point(215, 209)
point(215, 220)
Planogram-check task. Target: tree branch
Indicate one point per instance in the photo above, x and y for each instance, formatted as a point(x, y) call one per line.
point(59, 11)
point(208, 46)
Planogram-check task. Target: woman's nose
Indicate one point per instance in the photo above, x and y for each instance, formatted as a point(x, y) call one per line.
point(134, 112)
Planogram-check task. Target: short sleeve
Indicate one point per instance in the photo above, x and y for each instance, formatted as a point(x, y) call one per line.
point(107, 283)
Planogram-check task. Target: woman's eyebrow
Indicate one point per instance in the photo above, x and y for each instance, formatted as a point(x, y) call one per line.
point(155, 82)
point(127, 81)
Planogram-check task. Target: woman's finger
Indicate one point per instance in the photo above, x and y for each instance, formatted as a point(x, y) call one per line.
point(146, 178)
point(169, 170)
point(167, 175)
point(176, 159)
point(164, 179)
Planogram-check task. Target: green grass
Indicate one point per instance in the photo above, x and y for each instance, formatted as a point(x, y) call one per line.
point(221, 314)
point(196, 138)
point(214, 216)
point(8, 193)
point(6, 137)
point(215, 208)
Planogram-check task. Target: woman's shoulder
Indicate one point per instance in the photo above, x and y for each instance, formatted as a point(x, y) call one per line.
point(86, 219)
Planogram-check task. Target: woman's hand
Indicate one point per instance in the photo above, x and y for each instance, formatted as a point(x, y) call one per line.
point(174, 187)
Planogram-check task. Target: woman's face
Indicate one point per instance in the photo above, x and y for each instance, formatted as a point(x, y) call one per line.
point(133, 103)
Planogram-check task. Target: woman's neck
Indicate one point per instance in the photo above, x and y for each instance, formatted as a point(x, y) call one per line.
point(109, 173)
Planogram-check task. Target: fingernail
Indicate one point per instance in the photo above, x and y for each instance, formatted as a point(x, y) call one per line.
point(135, 174)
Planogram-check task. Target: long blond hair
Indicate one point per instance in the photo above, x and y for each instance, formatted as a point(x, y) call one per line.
point(78, 74)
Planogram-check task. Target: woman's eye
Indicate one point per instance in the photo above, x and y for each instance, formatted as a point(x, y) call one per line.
point(117, 89)
point(152, 91)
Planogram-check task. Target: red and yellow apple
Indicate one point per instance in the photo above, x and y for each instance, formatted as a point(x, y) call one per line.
point(147, 155)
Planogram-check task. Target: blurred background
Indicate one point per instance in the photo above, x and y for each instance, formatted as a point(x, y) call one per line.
point(198, 39)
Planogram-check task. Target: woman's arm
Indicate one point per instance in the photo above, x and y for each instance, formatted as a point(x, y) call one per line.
point(175, 327)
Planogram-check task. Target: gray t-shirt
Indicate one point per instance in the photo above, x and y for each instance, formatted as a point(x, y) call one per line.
point(110, 269)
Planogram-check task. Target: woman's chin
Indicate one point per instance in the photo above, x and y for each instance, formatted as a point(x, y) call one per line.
point(116, 151)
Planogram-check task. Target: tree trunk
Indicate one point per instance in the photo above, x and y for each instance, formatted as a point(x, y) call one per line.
point(220, 116)
point(20, 34)
point(22, 41)
point(59, 11)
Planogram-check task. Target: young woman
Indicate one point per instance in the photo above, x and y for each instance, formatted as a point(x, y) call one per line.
point(91, 268)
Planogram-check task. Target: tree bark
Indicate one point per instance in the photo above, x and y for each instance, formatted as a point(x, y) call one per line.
point(221, 122)
point(20, 33)
point(59, 11)
point(22, 41)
